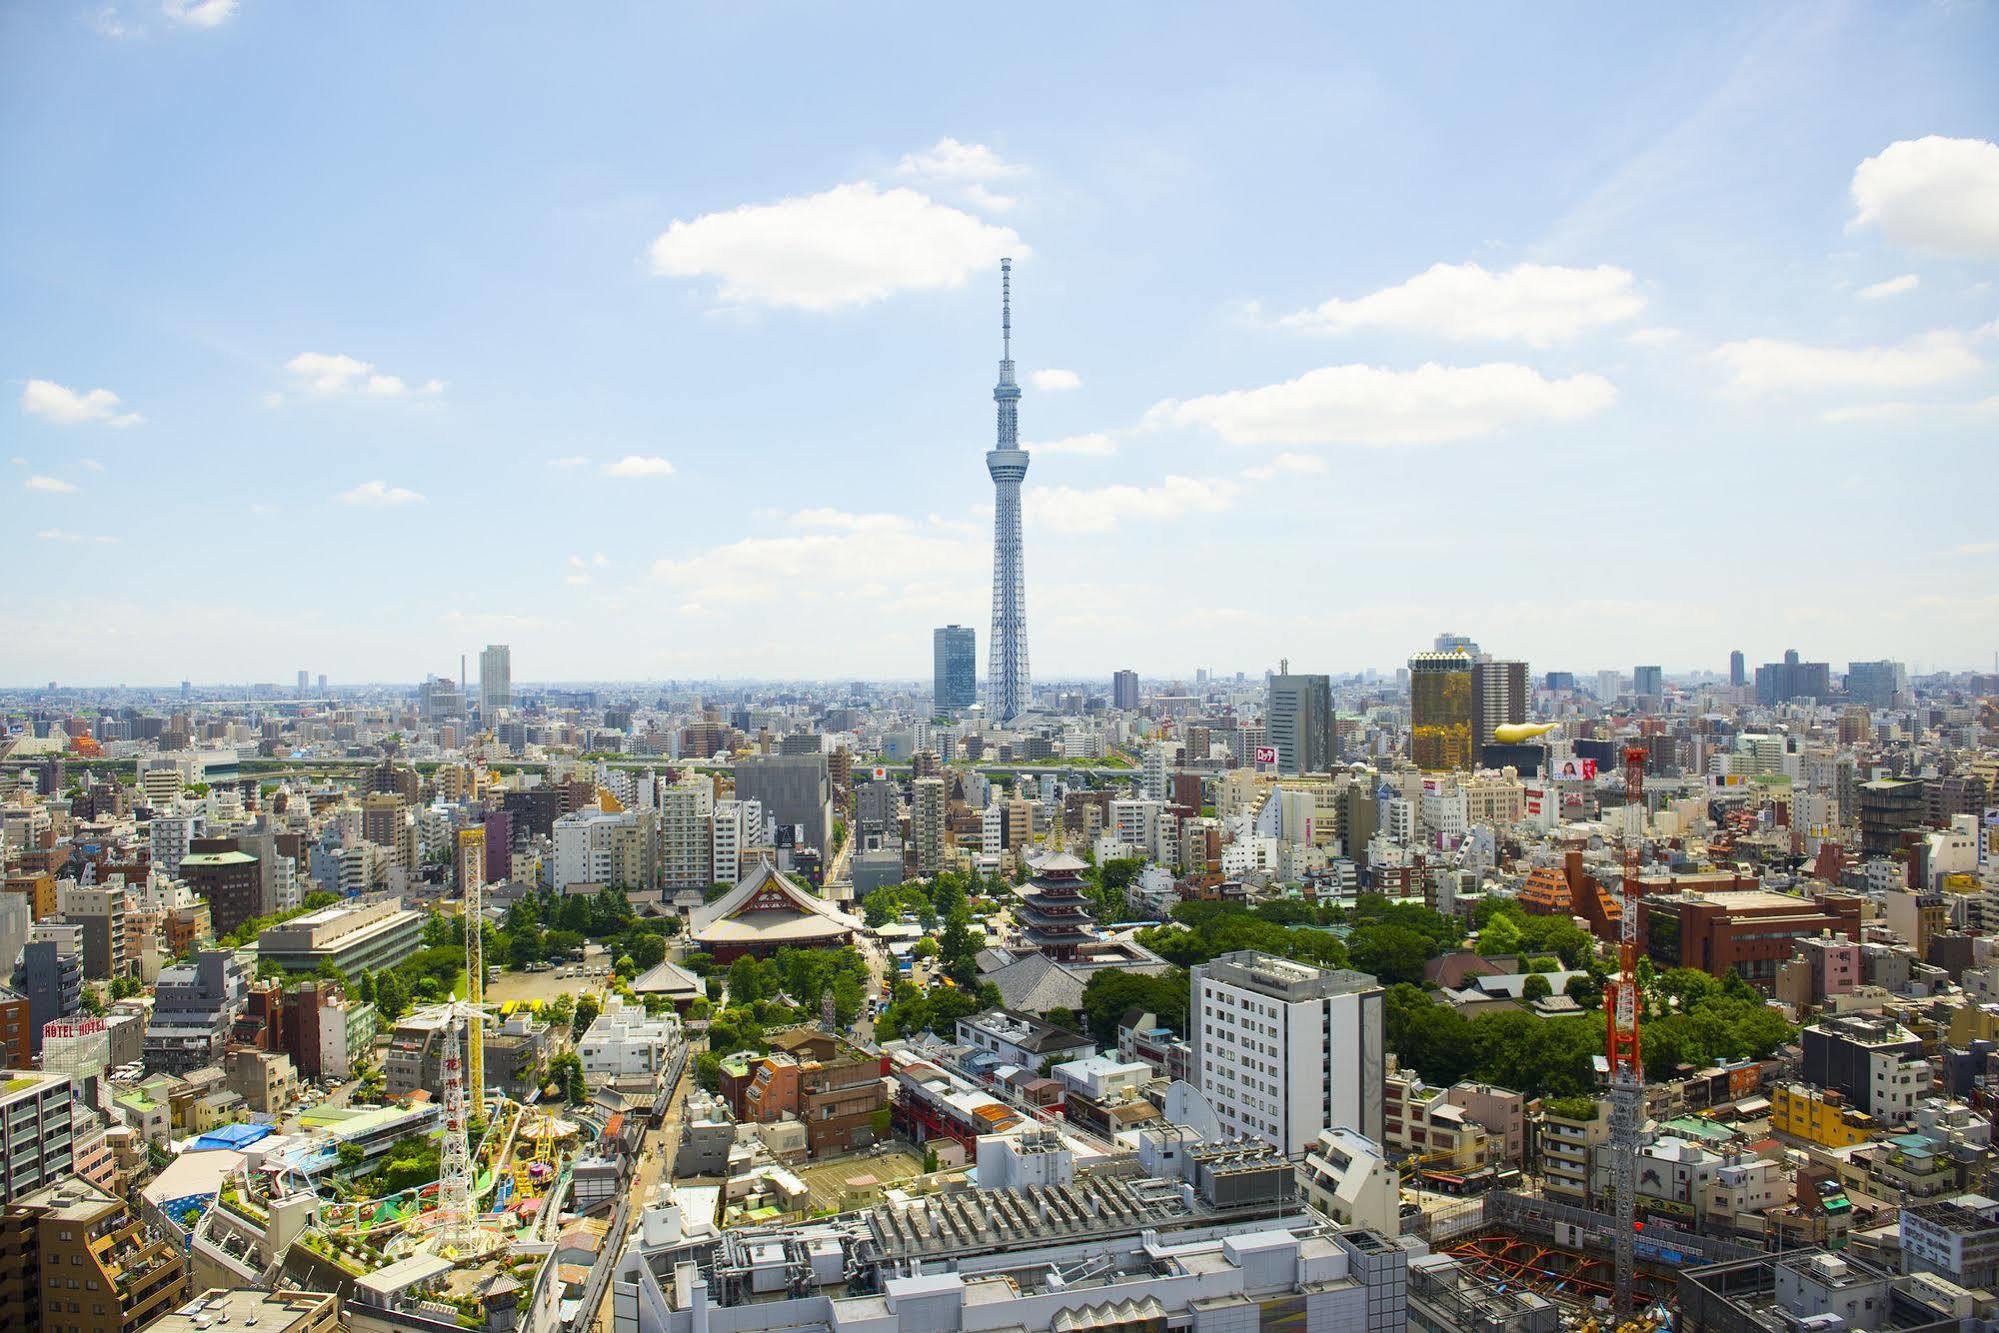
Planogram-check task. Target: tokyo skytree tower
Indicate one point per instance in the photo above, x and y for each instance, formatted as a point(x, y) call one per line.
point(1006, 676)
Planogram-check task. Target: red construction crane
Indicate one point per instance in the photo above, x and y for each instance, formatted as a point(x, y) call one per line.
point(1627, 1067)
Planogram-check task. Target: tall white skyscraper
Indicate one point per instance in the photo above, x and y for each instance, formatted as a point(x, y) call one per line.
point(496, 680)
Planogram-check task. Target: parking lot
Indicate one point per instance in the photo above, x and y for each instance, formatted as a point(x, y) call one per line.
point(566, 978)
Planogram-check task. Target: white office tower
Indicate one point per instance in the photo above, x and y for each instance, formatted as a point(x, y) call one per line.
point(1158, 762)
point(170, 836)
point(1282, 1050)
point(496, 680)
point(686, 835)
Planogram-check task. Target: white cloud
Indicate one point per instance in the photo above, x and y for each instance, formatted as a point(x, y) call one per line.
point(597, 561)
point(50, 485)
point(1286, 465)
point(847, 246)
point(947, 159)
point(1936, 195)
point(1373, 406)
point(199, 13)
point(632, 465)
point(1097, 444)
point(331, 374)
point(67, 407)
point(1658, 336)
point(1902, 411)
point(58, 535)
point(1771, 365)
point(107, 22)
point(1976, 548)
point(986, 201)
point(1102, 508)
point(834, 548)
point(1055, 381)
point(379, 495)
point(1539, 304)
point(1881, 291)
point(569, 461)
point(576, 580)
point(92, 464)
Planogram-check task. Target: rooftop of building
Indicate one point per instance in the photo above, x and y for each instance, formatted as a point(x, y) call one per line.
point(71, 1200)
point(1025, 1031)
point(243, 1307)
point(199, 859)
point(1282, 978)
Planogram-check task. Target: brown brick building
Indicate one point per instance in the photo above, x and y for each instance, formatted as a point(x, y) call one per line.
point(1751, 931)
point(835, 1089)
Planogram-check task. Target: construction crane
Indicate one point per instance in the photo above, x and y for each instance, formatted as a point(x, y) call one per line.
point(1627, 1067)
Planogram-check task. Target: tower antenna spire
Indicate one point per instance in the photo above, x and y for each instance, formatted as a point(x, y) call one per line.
point(1006, 309)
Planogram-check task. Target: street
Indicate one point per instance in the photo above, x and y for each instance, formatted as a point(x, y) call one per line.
point(655, 1160)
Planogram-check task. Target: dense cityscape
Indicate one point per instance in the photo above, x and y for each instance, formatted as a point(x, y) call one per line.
point(425, 983)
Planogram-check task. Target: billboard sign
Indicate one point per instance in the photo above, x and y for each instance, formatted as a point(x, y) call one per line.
point(1266, 754)
point(68, 1030)
point(1583, 769)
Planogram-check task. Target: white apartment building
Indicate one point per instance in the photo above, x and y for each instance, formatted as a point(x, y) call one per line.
point(586, 847)
point(625, 1043)
point(1141, 825)
point(170, 837)
point(992, 829)
point(1283, 1050)
point(688, 856)
point(1445, 811)
point(1158, 763)
point(926, 823)
point(737, 827)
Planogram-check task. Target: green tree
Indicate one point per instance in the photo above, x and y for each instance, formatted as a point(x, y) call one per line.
point(566, 1072)
point(745, 981)
point(646, 951)
point(1536, 987)
point(1391, 953)
point(587, 1009)
point(1500, 937)
point(1109, 993)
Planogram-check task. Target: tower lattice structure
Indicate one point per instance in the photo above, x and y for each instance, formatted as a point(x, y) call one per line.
point(454, 1175)
point(1627, 1066)
point(1007, 685)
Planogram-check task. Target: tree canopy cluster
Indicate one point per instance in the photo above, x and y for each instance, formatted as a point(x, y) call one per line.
point(546, 926)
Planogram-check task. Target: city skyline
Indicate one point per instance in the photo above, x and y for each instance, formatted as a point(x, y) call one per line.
point(714, 347)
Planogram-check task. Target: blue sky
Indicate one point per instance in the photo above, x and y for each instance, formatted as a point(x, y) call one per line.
point(658, 341)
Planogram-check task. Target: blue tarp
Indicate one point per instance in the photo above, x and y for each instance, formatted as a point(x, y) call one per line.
point(232, 1136)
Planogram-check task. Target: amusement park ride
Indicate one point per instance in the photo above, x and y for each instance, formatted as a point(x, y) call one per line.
point(483, 1195)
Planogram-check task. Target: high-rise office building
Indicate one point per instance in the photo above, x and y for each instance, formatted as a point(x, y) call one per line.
point(1779, 682)
point(796, 792)
point(1882, 684)
point(303, 684)
point(1282, 1050)
point(1499, 694)
point(1448, 642)
point(1124, 690)
point(1008, 688)
point(1298, 721)
point(1738, 669)
point(954, 667)
point(1648, 681)
point(496, 680)
point(1440, 710)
